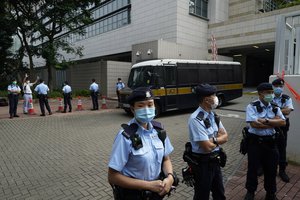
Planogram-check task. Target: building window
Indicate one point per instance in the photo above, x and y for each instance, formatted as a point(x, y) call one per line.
point(198, 7)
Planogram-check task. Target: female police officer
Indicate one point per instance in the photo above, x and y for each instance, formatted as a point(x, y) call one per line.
point(139, 155)
point(206, 133)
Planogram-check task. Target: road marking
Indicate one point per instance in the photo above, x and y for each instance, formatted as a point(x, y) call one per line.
point(231, 116)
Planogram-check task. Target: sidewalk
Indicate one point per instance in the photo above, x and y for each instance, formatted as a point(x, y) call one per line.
point(235, 187)
point(111, 103)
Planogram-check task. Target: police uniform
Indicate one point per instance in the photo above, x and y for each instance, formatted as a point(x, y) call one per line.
point(94, 88)
point(282, 101)
point(67, 92)
point(13, 98)
point(262, 148)
point(119, 86)
point(143, 163)
point(207, 171)
point(42, 91)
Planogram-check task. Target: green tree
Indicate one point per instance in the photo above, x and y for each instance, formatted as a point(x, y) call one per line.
point(42, 23)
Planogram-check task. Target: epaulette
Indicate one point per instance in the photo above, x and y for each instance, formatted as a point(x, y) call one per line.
point(258, 106)
point(217, 119)
point(129, 130)
point(157, 125)
point(206, 121)
point(284, 97)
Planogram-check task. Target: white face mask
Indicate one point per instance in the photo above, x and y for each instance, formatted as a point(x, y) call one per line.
point(216, 103)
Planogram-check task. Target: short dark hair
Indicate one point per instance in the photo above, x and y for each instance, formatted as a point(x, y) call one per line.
point(93, 80)
point(66, 82)
point(119, 79)
point(41, 80)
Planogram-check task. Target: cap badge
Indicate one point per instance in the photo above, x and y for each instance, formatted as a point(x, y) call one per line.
point(148, 95)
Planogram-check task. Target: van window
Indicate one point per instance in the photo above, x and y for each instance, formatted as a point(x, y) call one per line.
point(141, 77)
point(170, 75)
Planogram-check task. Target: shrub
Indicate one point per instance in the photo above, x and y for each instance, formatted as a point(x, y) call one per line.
point(3, 93)
point(82, 93)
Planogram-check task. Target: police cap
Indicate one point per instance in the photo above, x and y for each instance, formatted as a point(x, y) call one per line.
point(205, 90)
point(140, 94)
point(264, 86)
point(278, 81)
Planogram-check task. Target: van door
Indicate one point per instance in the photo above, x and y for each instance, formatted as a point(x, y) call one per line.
point(171, 87)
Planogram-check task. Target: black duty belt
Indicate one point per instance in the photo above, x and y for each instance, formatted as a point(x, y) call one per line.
point(262, 139)
point(210, 157)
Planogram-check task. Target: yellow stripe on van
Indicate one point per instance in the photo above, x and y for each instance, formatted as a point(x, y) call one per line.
point(188, 90)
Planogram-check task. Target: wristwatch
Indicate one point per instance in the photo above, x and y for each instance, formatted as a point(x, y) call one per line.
point(171, 175)
point(215, 141)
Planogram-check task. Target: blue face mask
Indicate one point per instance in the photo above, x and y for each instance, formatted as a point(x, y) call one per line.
point(268, 97)
point(145, 115)
point(278, 90)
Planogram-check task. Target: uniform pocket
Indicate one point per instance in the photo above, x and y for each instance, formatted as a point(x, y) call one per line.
point(140, 152)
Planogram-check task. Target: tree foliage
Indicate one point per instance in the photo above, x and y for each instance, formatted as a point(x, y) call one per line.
point(42, 23)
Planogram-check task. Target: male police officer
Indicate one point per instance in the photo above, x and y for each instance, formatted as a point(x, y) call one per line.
point(206, 134)
point(140, 154)
point(67, 92)
point(284, 102)
point(262, 149)
point(13, 98)
point(42, 90)
point(94, 89)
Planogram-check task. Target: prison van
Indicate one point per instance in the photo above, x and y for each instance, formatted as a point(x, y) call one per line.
point(172, 82)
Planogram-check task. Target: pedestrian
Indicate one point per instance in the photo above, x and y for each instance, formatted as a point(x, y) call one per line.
point(67, 92)
point(206, 133)
point(94, 89)
point(119, 86)
point(42, 90)
point(262, 118)
point(284, 102)
point(27, 92)
point(140, 154)
point(13, 97)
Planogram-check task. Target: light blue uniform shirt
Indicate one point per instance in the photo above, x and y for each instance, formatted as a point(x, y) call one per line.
point(94, 87)
point(267, 113)
point(41, 89)
point(66, 89)
point(144, 163)
point(13, 89)
point(288, 102)
point(120, 85)
point(198, 131)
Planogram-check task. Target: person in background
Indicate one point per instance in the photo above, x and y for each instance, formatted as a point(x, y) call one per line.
point(119, 86)
point(13, 97)
point(67, 92)
point(284, 102)
point(94, 89)
point(27, 92)
point(42, 90)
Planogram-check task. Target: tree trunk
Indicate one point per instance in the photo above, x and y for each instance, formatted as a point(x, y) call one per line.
point(49, 68)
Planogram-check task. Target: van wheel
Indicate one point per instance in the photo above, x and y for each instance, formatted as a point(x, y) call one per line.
point(221, 101)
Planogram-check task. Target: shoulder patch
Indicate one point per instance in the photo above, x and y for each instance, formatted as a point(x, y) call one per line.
point(284, 96)
point(200, 116)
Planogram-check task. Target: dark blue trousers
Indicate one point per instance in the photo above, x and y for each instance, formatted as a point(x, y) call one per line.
point(208, 178)
point(13, 104)
point(266, 156)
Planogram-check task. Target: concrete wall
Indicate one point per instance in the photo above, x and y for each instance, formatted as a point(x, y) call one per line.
point(116, 70)
point(247, 29)
point(293, 150)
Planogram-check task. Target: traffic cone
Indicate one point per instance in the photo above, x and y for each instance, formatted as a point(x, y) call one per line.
point(31, 109)
point(79, 104)
point(60, 106)
point(103, 106)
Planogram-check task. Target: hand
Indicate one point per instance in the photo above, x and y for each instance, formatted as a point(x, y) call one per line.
point(37, 77)
point(156, 186)
point(167, 183)
point(260, 120)
point(26, 75)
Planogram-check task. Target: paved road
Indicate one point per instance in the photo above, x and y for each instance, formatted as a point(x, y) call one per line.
point(65, 156)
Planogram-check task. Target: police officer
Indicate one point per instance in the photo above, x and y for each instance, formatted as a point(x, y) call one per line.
point(67, 92)
point(206, 134)
point(284, 102)
point(42, 90)
point(13, 97)
point(94, 89)
point(139, 156)
point(262, 117)
point(119, 86)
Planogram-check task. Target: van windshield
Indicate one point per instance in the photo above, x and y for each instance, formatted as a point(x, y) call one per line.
point(141, 77)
